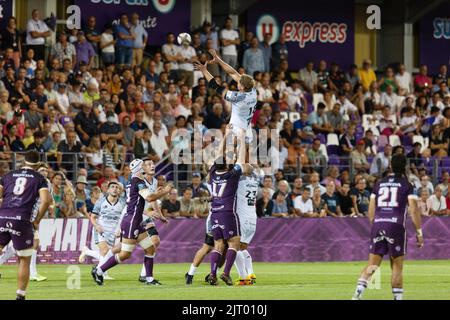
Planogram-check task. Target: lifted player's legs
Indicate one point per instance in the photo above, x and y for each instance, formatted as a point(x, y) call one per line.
point(373, 264)
point(149, 258)
point(397, 277)
point(216, 257)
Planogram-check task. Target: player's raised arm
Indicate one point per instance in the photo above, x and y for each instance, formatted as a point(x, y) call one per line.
point(212, 83)
point(225, 66)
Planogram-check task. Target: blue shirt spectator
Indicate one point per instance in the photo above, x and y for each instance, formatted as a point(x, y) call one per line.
point(267, 51)
point(253, 59)
point(125, 30)
point(85, 51)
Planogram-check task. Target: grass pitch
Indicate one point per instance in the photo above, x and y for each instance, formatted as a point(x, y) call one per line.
point(286, 281)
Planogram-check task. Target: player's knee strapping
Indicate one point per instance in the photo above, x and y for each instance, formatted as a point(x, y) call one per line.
point(127, 247)
point(146, 243)
point(25, 253)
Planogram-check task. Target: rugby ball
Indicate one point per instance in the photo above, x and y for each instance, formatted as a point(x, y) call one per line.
point(182, 37)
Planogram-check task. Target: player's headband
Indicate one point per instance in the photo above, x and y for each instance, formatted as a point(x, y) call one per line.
point(31, 163)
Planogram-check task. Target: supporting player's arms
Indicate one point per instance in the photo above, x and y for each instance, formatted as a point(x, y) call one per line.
point(225, 66)
point(157, 212)
point(416, 219)
point(160, 192)
point(46, 201)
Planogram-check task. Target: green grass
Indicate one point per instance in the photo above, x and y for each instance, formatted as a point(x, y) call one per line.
point(323, 281)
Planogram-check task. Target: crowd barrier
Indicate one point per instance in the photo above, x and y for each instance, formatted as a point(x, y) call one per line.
point(276, 240)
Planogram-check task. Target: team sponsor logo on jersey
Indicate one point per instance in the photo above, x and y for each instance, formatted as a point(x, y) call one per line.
point(382, 237)
point(393, 220)
point(215, 226)
point(10, 230)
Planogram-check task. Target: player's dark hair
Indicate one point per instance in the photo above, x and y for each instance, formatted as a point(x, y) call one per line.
point(220, 164)
point(398, 164)
point(32, 157)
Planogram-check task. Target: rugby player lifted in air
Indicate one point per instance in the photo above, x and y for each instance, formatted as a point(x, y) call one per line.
point(132, 229)
point(243, 102)
point(388, 208)
point(20, 189)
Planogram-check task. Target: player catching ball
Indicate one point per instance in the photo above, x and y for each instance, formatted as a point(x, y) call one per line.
point(388, 207)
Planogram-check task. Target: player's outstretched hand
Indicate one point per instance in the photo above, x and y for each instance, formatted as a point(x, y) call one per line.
point(213, 53)
point(200, 67)
point(420, 242)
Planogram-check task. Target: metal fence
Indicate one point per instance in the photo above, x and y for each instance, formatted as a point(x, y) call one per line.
point(181, 174)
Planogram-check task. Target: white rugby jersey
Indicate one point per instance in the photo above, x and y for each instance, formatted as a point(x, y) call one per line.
point(243, 106)
point(152, 186)
point(246, 195)
point(109, 214)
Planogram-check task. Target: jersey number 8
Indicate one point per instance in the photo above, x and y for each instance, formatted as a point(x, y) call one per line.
point(19, 186)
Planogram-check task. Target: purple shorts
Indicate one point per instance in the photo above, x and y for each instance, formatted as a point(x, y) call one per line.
point(21, 233)
point(225, 225)
point(132, 226)
point(388, 239)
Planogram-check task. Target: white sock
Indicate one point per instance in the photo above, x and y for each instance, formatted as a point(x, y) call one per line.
point(143, 272)
point(240, 265)
point(93, 254)
point(33, 270)
point(8, 253)
point(248, 262)
point(398, 293)
point(360, 287)
point(192, 270)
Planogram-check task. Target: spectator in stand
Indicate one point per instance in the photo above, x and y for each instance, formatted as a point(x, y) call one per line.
point(267, 51)
point(366, 74)
point(107, 43)
point(93, 35)
point(171, 207)
point(315, 155)
point(143, 147)
point(85, 53)
point(358, 157)
point(215, 119)
point(323, 77)
point(437, 203)
point(381, 163)
point(445, 179)
point(125, 40)
point(297, 154)
point(303, 205)
point(229, 39)
point(86, 123)
point(352, 76)
point(253, 58)
point(37, 32)
point(140, 40)
point(336, 119)
point(197, 185)
point(422, 203)
point(320, 207)
point(280, 207)
point(425, 183)
point(390, 98)
point(11, 41)
point(346, 201)
point(208, 32)
point(66, 152)
point(308, 78)
point(319, 121)
point(171, 53)
point(294, 97)
point(186, 204)
point(279, 52)
point(63, 50)
point(422, 82)
point(264, 204)
point(438, 145)
point(404, 80)
point(331, 200)
point(200, 205)
point(185, 64)
point(360, 196)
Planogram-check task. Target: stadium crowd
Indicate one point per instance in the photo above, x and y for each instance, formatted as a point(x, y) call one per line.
point(98, 98)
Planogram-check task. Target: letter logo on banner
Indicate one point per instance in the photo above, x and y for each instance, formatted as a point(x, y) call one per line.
point(164, 6)
point(374, 20)
point(441, 28)
point(268, 24)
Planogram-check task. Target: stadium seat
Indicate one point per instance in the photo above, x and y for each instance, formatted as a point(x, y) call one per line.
point(284, 115)
point(317, 97)
point(332, 139)
point(421, 140)
point(324, 150)
point(333, 150)
point(322, 138)
point(334, 160)
point(394, 118)
point(294, 116)
point(394, 140)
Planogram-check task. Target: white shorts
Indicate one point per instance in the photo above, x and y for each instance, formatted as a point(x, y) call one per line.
point(248, 134)
point(248, 228)
point(36, 234)
point(108, 237)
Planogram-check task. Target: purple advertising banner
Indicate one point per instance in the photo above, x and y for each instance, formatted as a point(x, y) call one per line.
point(314, 30)
point(6, 11)
point(158, 16)
point(435, 39)
point(276, 240)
